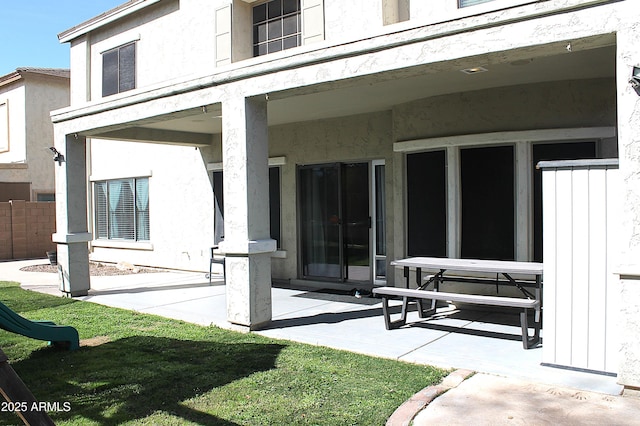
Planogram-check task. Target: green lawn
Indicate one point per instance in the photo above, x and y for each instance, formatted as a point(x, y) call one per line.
point(148, 370)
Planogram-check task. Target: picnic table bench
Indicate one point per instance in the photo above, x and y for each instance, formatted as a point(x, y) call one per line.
point(463, 271)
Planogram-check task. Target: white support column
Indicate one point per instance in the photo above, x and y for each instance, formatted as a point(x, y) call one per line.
point(71, 234)
point(628, 108)
point(247, 241)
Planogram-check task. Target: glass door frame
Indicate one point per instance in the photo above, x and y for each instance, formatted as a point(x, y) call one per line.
point(301, 225)
point(378, 203)
point(375, 192)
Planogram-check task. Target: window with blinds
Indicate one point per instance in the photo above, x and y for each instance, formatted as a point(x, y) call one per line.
point(119, 69)
point(467, 3)
point(122, 209)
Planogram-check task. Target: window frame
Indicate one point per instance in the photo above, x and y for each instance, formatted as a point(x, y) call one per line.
point(470, 3)
point(5, 134)
point(274, 163)
point(523, 142)
point(103, 213)
point(268, 21)
point(122, 69)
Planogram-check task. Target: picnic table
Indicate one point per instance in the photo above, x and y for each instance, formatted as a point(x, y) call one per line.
point(525, 276)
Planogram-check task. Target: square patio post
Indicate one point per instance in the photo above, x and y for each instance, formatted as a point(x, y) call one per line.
point(247, 243)
point(71, 215)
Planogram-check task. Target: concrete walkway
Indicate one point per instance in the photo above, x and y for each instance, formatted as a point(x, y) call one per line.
point(468, 340)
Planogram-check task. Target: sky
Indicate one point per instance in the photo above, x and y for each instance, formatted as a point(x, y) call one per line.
point(29, 30)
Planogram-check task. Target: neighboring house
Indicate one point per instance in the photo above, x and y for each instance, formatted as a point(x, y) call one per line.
point(27, 217)
point(317, 140)
point(27, 97)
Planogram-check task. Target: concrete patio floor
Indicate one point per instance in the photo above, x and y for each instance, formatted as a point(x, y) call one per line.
point(474, 340)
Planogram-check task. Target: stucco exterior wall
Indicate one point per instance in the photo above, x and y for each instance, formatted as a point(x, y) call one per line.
point(629, 133)
point(182, 171)
point(159, 58)
point(346, 20)
point(30, 102)
point(562, 104)
point(443, 10)
point(14, 95)
point(180, 199)
point(42, 96)
point(347, 139)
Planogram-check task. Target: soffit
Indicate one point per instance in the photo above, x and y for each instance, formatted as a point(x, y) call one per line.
point(380, 93)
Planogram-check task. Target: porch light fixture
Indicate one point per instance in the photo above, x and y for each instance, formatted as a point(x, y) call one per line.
point(474, 70)
point(57, 155)
point(634, 81)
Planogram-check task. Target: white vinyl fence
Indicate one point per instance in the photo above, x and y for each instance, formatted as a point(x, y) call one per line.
point(581, 201)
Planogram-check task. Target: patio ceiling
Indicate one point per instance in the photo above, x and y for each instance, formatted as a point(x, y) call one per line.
point(379, 93)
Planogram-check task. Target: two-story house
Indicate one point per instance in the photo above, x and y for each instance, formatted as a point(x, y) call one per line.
point(27, 97)
point(316, 140)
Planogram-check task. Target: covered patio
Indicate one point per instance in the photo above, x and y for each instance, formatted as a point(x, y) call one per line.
point(481, 341)
point(425, 93)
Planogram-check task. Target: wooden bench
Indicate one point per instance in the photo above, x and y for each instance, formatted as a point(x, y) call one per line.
point(419, 296)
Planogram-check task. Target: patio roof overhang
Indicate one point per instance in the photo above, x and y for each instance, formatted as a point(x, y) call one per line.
point(370, 80)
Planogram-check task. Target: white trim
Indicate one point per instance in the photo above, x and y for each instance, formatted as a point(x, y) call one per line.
point(141, 174)
point(489, 6)
point(247, 247)
point(541, 135)
point(273, 162)
point(279, 254)
point(80, 237)
point(6, 126)
point(214, 167)
point(522, 142)
point(277, 161)
point(454, 202)
point(374, 220)
point(100, 21)
point(120, 41)
point(119, 244)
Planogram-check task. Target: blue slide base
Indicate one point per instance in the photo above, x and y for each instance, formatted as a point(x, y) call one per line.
point(58, 335)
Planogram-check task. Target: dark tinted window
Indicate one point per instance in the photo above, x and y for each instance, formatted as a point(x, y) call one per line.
point(553, 151)
point(427, 204)
point(488, 203)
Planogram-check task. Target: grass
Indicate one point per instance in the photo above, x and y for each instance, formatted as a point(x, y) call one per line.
point(138, 369)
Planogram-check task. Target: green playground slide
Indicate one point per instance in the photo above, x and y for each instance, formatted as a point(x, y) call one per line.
point(57, 335)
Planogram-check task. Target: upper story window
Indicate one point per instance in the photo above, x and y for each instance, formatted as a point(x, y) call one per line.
point(276, 26)
point(119, 69)
point(465, 3)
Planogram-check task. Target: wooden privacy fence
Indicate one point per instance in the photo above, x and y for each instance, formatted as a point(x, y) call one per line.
point(581, 201)
point(26, 228)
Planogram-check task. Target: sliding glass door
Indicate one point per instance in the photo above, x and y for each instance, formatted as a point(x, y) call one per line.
point(320, 221)
point(335, 205)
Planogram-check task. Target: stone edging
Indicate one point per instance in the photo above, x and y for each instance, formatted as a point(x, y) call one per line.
point(418, 402)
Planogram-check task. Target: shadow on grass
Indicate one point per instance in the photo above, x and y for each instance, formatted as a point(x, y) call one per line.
point(134, 377)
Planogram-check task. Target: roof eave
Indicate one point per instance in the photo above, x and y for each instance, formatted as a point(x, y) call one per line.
point(10, 78)
point(103, 19)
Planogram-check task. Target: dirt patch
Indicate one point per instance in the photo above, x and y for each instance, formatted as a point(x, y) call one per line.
point(95, 341)
point(96, 269)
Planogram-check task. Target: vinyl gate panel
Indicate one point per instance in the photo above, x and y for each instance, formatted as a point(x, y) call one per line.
point(580, 205)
